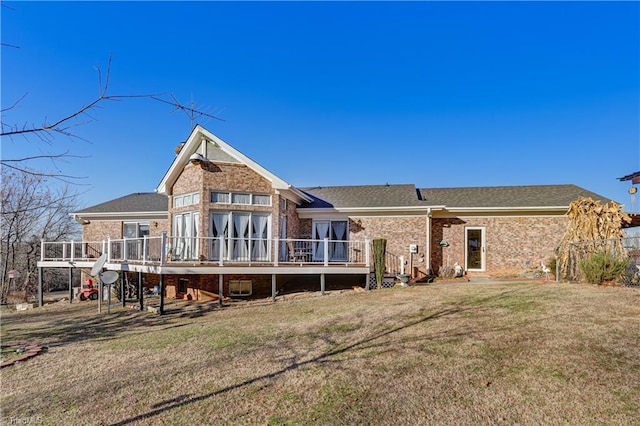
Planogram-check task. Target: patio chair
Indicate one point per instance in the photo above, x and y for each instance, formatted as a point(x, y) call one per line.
point(296, 254)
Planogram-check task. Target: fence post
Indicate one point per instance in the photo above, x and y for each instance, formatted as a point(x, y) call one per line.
point(42, 250)
point(125, 249)
point(276, 253)
point(163, 249)
point(109, 249)
point(220, 251)
point(326, 252)
point(145, 241)
point(367, 253)
point(73, 251)
point(64, 250)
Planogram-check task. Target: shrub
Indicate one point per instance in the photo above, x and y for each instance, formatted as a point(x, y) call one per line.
point(602, 266)
point(379, 250)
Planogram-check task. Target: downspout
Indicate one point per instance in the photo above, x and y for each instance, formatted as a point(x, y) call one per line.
point(427, 245)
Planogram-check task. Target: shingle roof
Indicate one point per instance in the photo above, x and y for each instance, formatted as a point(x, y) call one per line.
point(137, 202)
point(507, 196)
point(362, 196)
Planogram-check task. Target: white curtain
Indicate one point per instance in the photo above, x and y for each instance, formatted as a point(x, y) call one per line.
point(259, 227)
point(188, 242)
point(320, 232)
point(339, 249)
point(240, 236)
point(220, 228)
point(194, 241)
point(178, 233)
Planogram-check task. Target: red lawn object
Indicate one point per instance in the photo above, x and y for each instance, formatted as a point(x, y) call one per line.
point(88, 291)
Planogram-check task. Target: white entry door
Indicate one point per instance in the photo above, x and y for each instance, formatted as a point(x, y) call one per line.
point(475, 253)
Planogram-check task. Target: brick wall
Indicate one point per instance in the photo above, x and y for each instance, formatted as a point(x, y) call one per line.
point(400, 232)
point(261, 285)
point(512, 243)
point(99, 230)
point(223, 177)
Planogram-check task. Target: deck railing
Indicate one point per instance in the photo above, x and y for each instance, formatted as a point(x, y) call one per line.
point(165, 250)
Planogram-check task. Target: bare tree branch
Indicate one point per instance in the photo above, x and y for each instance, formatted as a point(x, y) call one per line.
point(12, 106)
point(64, 126)
point(62, 178)
point(51, 156)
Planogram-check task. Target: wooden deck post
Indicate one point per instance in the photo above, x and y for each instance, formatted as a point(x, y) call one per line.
point(273, 287)
point(123, 289)
point(140, 292)
point(220, 288)
point(40, 294)
point(161, 311)
point(70, 285)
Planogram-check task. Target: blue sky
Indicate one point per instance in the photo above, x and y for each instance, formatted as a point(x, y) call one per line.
point(439, 94)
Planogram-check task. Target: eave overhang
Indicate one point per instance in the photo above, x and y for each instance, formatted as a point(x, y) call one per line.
point(311, 213)
point(80, 217)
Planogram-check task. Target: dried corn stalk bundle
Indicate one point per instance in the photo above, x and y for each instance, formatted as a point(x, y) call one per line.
point(592, 227)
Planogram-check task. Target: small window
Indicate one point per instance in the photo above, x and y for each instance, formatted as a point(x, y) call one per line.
point(283, 204)
point(196, 198)
point(238, 198)
point(187, 200)
point(130, 230)
point(262, 200)
point(240, 287)
point(143, 230)
point(220, 197)
point(183, 283)
point(177, 201)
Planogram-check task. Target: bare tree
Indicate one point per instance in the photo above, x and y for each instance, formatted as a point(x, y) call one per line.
point(31, 210)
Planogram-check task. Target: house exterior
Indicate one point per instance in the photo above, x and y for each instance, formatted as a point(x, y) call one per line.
point(219, 224)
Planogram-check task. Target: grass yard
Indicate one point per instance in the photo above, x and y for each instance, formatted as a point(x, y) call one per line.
point(520, 353)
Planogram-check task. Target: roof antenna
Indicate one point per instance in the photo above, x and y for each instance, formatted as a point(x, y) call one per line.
point(193, 113)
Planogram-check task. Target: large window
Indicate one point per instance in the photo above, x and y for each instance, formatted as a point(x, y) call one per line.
point(240, 198)
point(220, 197)
point(185, 236)
point(245, 236)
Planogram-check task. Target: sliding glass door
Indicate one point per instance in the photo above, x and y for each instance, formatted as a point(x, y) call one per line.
point(336, 232)
point(245, 236)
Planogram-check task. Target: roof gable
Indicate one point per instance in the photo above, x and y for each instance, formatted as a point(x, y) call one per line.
point(211, 147)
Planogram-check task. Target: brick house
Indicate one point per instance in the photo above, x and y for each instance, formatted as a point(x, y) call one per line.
point(220, 224)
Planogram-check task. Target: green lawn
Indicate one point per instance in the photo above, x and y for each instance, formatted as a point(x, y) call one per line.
point(523, 353)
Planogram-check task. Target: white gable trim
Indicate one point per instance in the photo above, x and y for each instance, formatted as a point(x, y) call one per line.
point(194, 145)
